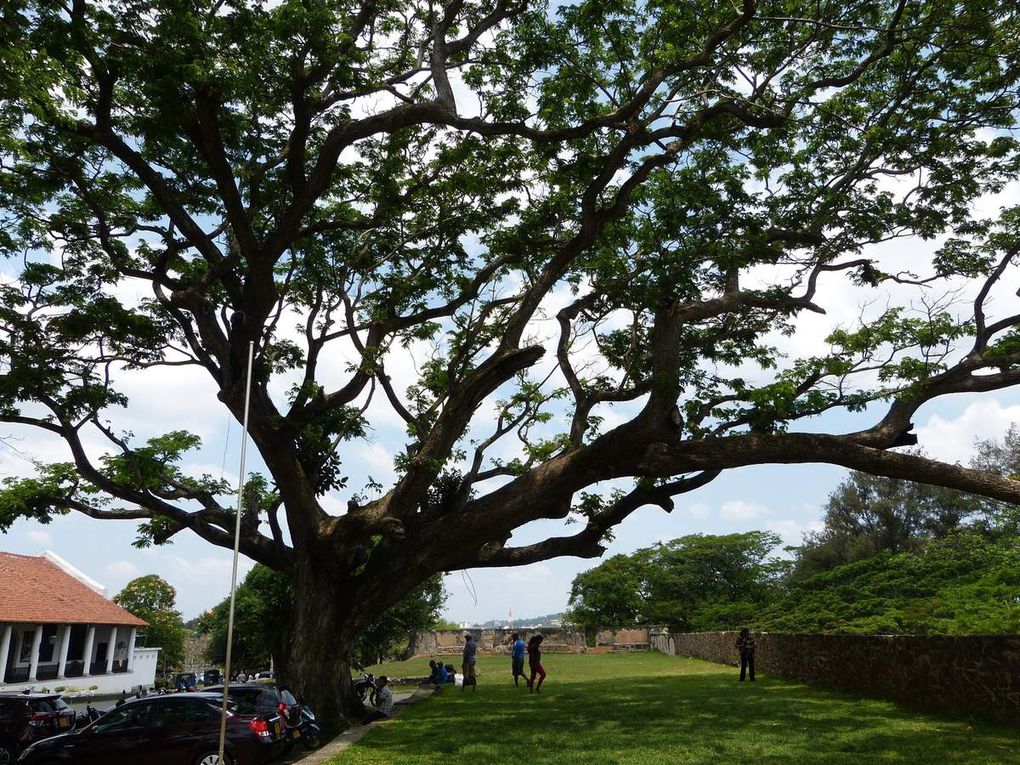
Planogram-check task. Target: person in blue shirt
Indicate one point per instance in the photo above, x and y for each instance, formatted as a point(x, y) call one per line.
point(439, 675)
point(517, 659)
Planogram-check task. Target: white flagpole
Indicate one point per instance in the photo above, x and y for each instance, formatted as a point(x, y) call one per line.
point(237, 545)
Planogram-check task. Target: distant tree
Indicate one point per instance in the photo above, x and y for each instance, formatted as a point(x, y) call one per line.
point(869, 514)
point(394, 633)
point(151, 598)
point(264, 621)
point(608, 596)
point(695, 583)
point(958, 585)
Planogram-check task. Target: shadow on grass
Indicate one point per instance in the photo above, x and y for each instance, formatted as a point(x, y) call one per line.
point(643, 715)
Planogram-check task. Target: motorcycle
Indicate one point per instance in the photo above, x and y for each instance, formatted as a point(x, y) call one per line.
point(309, 729)
point(364, 686)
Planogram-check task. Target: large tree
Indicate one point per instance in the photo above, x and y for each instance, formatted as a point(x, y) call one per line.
point(678, 182)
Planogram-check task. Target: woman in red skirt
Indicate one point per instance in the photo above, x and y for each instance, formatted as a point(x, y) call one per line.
point(535, 663)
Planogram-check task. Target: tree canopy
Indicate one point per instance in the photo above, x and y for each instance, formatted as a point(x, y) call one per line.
point(153, 599)
point(592, 226)
point(696, 583)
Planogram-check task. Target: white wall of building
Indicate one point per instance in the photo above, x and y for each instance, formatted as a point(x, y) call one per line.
point(143, 673)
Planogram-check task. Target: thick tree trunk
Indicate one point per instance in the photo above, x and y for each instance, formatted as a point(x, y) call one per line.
point(318, 667)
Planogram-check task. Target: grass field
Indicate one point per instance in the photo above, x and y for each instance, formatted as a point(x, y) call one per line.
point(650, 708)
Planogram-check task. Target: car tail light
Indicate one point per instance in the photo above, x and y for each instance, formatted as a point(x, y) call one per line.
point(39, 719)
point(282, 709)
point(260, 728)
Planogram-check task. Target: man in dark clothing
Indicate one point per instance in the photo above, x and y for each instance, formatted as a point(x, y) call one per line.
point(746, 646)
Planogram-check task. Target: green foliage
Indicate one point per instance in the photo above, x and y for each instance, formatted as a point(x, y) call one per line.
point(151, 598)
point(959, 585)
point(695, 583)
point(264, 621)
point(391, 633)
point(867, 515)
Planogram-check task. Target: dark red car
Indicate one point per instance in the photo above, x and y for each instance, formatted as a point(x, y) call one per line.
point(175, 729)
point(28, 717)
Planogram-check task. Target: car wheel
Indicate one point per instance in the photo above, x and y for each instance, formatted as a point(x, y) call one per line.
point(212, 757)
point(311, 740)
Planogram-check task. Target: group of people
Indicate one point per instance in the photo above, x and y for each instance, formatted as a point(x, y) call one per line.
point(440, 674)
point(534, 652)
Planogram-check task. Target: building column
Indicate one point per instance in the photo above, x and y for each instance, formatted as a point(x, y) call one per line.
point(131, 649)
point(65, 641)
point(33, 667)
point(111, 649)
point(5, 647)
point(90, 637)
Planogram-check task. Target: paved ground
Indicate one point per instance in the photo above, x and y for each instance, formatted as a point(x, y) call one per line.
point(332, 748)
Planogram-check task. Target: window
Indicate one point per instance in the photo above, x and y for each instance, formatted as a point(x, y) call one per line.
point(27, 638)
point(132, 716)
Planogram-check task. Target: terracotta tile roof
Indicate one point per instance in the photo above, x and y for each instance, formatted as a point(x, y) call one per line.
point(36, 591)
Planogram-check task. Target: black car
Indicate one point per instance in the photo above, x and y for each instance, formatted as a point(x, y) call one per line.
point(173, 729)
point(261, 698)
point(28, 717)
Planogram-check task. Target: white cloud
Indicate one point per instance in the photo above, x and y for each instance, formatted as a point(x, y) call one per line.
point(739, 510)
point(122, 569)
point(952, 440)
point(40, 537)
point(792, 532)
point(699, 510)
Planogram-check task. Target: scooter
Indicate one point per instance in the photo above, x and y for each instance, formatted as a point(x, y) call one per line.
point(364, 686)
point(309, 729)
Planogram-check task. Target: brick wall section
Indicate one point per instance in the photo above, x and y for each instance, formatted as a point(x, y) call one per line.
point(962, 674)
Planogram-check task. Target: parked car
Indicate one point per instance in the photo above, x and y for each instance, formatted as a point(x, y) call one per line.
point(28, 717)
point(259, 698)
point(171, 729)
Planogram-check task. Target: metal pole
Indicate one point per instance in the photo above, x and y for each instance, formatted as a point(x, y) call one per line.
point(237, 544)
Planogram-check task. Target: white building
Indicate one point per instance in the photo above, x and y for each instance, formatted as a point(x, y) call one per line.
point(57, 629)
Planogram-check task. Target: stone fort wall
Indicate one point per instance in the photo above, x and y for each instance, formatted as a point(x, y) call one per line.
point(969, 674)
point(497, 641)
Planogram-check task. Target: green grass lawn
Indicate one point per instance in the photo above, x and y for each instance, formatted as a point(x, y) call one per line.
point(651, 708)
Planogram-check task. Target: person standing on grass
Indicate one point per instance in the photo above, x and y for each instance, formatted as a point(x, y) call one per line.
point(468, 661)
point(517, 658)
point(383, 700)
point(535, 663)
point(746, 646)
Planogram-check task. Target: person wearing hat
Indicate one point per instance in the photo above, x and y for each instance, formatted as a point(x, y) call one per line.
point(468, 661)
